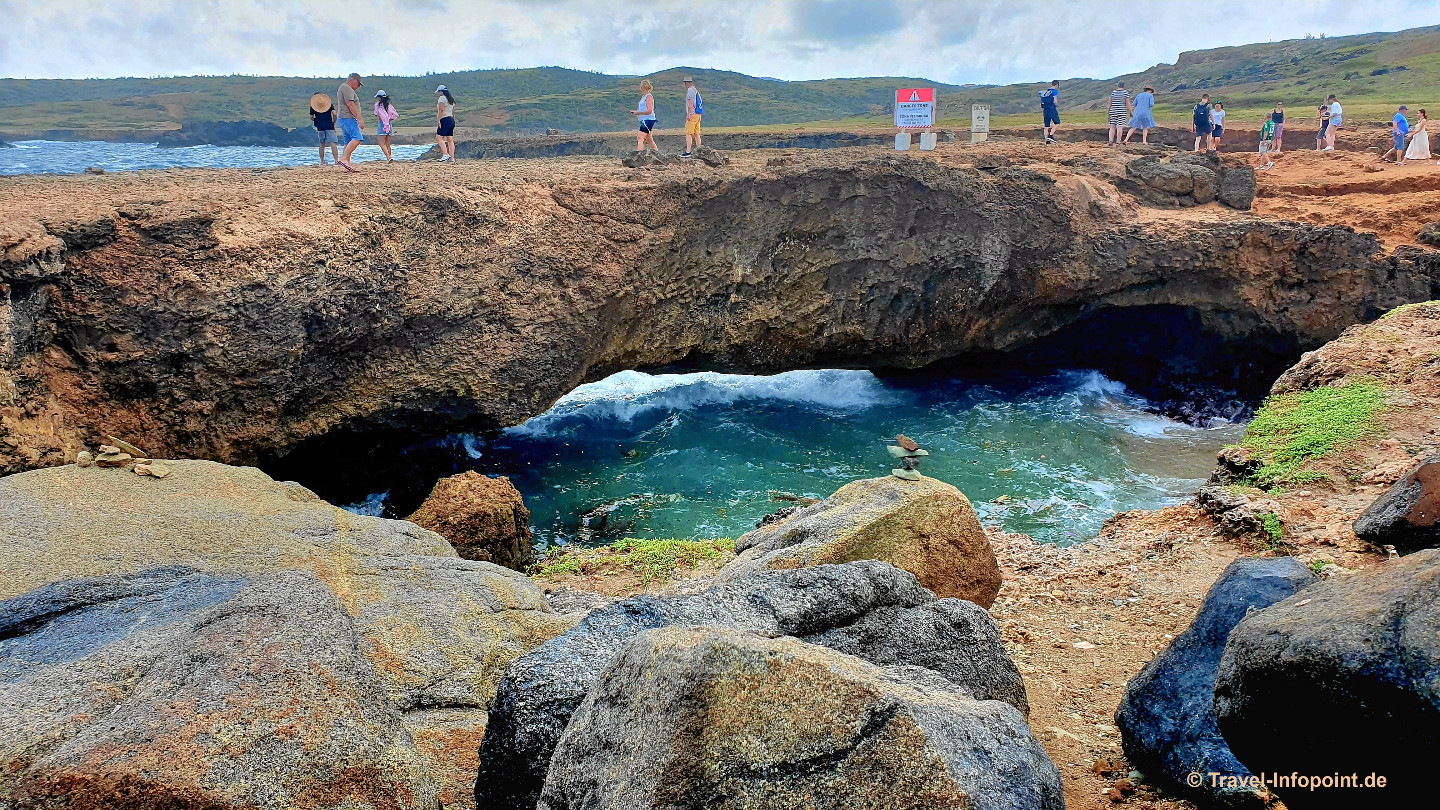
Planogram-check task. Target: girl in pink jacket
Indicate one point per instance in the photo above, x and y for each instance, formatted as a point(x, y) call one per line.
point(386, 112)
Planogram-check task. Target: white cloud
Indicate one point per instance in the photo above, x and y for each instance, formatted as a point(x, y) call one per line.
point(989, 41)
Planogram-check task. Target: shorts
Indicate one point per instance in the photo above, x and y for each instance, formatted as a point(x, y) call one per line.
point(1399, 141)
point(1321, 133)
point(382, 128)
point(328, 136)
point(692, 125)
point(1052, 117)
point(1203, 127)
point(647, 126)
point(350, 131)
point(1217, 131)
point(447, 127)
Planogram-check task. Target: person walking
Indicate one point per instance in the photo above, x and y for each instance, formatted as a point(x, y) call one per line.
point(1218, 116)
point(694, 108)
point(352, 128)
point(1119, 113)
point(1143, 118)
point(1323, 116)
point(322, 116)
point(1201, 123)
point(1277, 117)
point(386, 113)
point(445, 122)
point(1419, 139)
point(1399, 128)
point(645, 114)
point(1050, 110)
point(1336, 119)
point(1267, 142)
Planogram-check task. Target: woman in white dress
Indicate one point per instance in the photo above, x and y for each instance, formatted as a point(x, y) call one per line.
point(1419, 140)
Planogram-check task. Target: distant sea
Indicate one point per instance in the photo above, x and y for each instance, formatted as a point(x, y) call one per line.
point(74, 157)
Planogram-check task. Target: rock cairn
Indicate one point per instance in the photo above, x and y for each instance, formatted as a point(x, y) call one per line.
point(121, 454)
point(909, 453)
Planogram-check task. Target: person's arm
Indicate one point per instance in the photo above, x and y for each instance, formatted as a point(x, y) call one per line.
point(689, 105)
point(355, 111)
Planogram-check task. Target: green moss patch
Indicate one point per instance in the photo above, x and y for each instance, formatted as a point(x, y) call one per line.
point(1291, 429)
point(650, 560)
point(1407, 307)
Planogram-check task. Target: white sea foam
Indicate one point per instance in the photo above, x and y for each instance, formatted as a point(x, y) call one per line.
point(624, 396)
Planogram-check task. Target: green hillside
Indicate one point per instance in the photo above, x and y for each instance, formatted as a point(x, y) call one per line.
point(1370, 72)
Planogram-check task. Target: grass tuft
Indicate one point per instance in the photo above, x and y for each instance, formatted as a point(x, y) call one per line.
point(1291, 429)
point(1407, 307)
point(651, 560)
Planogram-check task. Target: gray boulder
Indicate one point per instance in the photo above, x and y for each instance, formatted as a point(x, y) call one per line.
point(1343, 678)
point(177, 688)
point(1205, 183)
point(1165, 177)
point(1406, 516)
point(703, 717)
point(1167, 718)
point(709, 156)
point(1237, 187)
point(542, 689)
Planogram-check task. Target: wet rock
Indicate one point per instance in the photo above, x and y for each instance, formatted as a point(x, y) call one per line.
point(697, 717)
point(1237, 187)
point(542, 689)
point(1407, 515)
point(94, 170)
point(709, 156)
point(926, 527)
point(1341, 678)
point(1234, 465)
point(1167, 718)
point(483, 518)
point(176, 688)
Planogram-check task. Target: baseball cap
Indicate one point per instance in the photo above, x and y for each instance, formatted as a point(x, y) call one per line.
point(356, 77)
point(381, 94)
point(1403, 107)
point(440, 89)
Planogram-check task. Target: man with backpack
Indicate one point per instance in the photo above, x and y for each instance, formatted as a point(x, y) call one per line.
point(1049, 98)
point(694, 108)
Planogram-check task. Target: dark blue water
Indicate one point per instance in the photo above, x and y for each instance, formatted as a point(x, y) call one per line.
point(73, 157)
point(707, 455)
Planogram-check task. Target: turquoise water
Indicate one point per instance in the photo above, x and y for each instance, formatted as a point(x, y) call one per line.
point(707, 455)
point(73, 157)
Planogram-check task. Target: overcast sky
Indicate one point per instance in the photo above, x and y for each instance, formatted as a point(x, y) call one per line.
point(961, 41)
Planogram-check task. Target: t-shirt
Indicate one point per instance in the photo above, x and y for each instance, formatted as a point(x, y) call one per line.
point(446, 108)
point(646, 100)
point(1117, 102)
point(1335, 114)
point(1268, 131)
point(1218, 116)
point(344, 94)
point(1048, 98)
point(1401, 124)
point(324, 120)
point(690, 94)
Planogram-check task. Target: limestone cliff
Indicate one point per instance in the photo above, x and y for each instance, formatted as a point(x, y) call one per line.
point(232, 315)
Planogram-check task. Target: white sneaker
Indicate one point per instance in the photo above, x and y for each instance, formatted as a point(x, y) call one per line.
point(444, 158)
point(1328, 149)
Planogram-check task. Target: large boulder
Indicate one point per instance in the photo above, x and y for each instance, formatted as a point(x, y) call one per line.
point(703, 717)
point(824, 604)
point(1406, 516)
point(1167, 717)
point(483, 518)
point(1343, 678)
point(177, 688)
point(437, 631)
point(926, 527)
point(1237, 186)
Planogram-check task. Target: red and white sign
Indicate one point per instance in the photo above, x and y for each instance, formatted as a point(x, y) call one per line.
point(915, 108)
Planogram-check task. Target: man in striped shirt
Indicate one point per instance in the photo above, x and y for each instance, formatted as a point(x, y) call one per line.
point(1119, 113)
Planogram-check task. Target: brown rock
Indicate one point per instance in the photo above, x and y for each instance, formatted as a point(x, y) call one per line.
point(906, 442)
point(84, 459)
point(125, 447)
point(483, 518)
point(106, 459)
point(926, 527)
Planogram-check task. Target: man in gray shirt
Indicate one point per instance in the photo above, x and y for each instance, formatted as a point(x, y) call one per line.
point(352, 126)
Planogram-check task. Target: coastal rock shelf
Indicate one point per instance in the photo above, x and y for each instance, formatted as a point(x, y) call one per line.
point(234, 315)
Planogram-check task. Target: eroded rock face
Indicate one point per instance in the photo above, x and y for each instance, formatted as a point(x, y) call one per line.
point(702, 717)
point(1167, 717)
point(1343, 677)
point(926, 527)
point(441, 309)
point(433, 631)
point(483, 518)
point(1407, 515)
point(824, 604)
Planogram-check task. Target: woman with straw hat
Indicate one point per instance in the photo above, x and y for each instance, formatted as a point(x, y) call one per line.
point(322, 115)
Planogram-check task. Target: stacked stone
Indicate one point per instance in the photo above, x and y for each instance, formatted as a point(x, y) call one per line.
point(909, 453)
point(123, 455)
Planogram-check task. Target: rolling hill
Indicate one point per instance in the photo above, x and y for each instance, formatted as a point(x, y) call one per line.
point(1370, 72)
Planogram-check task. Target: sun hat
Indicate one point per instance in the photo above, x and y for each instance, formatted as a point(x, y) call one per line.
point(320, 102)
point(440, 89)
point(688, 80)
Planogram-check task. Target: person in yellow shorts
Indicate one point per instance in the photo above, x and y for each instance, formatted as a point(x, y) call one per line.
point(694, 108)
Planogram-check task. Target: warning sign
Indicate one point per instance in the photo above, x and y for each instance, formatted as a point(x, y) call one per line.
point(915, 108)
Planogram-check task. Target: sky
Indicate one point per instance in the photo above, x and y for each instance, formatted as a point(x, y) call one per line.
point(959, 41)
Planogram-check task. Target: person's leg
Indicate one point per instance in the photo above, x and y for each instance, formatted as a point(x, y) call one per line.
point(322, 150)
point(385, 146)
point(1145, 136)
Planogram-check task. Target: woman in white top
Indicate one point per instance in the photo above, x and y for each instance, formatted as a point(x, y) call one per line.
point(645, 113)
point(445, 123)
point(1419, 139)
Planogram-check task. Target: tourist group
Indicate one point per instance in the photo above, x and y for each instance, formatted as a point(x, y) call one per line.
point(1208, 124)
point(340, 123)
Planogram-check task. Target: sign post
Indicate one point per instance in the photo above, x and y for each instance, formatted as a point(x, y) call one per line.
point(979, 122)
point(914, 110)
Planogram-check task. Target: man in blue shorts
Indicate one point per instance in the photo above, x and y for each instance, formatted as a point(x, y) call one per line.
point(1399, 128)
point(1049, 98)
point(352, 126)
